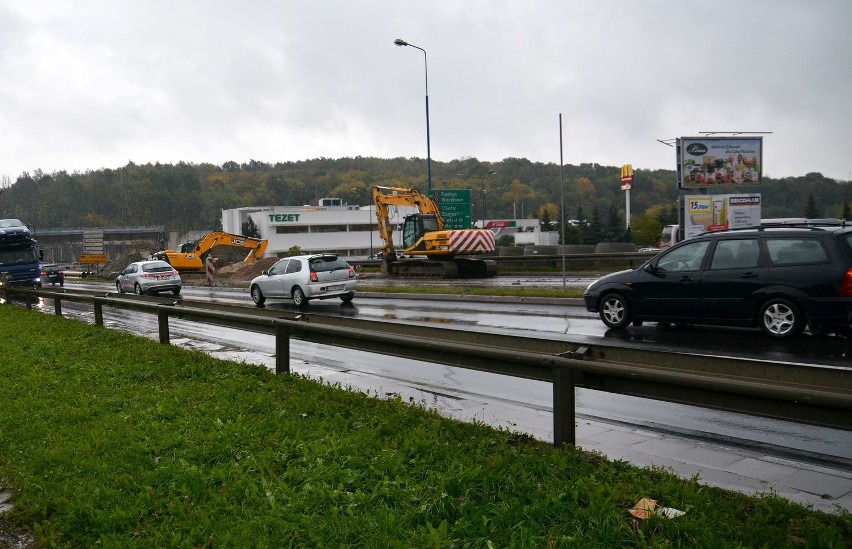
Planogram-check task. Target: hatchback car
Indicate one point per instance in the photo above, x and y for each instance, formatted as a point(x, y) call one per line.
point(778, 278)
point(144, 277)
point(53, 274)
point(306, 277)
point(13, 229)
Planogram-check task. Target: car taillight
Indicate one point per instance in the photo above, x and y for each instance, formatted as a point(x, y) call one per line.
point(846, 286)
point(314, 277)
point(351, 272)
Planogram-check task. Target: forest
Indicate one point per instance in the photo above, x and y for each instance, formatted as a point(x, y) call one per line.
point(185, 196)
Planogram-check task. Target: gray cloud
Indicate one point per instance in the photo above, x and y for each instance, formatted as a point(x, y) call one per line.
point(92, 84)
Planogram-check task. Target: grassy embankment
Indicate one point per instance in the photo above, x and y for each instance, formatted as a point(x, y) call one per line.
point(111, 439)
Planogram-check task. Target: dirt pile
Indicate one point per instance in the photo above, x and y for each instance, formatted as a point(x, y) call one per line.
point(244, 272)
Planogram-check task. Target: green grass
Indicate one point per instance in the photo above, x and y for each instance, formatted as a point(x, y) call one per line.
point(113, 440)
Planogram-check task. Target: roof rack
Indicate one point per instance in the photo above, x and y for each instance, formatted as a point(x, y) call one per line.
point(803, 222)
point(812, 224)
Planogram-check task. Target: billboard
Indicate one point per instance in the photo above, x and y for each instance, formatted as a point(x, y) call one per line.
point(717, 212)
point(711, 161)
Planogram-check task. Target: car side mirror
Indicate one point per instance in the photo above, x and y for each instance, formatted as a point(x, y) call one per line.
point(650, 268)
point(266, 272)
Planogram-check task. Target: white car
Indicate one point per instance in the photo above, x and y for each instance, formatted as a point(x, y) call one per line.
point(306, 277)
point(144, 277)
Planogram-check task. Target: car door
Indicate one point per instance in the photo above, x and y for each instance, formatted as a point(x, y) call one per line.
point(735, 274)
point(126, 278)
point(296, 275)
point(272, 285)
point(670, 288)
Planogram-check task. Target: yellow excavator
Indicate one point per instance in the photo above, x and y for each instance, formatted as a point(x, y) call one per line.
point(429, 250)
point(192, 255)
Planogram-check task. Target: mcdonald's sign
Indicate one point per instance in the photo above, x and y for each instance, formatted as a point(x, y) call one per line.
point(626, 177)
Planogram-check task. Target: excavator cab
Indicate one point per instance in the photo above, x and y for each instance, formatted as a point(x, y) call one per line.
point(415, 226)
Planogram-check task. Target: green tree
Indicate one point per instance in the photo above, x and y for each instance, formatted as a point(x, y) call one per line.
point(594, 231)
point(249, 228)
point(811, 211)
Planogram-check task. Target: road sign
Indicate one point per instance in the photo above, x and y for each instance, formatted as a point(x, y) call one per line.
point(454, 205)
point(93, 258)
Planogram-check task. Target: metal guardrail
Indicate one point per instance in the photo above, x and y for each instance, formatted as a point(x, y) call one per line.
point(809, 394)
point(620, 258)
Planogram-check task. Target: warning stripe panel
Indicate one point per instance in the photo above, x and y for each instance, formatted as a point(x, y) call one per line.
point(472, 241)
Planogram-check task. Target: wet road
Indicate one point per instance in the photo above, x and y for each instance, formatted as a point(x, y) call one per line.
point(514, 403)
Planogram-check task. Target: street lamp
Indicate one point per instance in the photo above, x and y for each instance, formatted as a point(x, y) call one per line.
point(482, 179)
point(401, 42)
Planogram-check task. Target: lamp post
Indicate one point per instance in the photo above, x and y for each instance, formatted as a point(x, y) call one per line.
point(482, 179)
point(401, 42)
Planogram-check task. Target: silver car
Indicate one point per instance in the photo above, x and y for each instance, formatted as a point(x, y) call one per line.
point(305, 277)
point(148, 277)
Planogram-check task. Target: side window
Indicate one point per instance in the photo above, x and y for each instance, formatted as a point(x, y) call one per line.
point(294, 266)
point(685, 258)
point(795, 251)
point(279, 267)
point(736, 254)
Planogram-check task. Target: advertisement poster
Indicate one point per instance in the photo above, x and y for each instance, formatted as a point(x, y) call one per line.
point(708, 213)
point(712, 161)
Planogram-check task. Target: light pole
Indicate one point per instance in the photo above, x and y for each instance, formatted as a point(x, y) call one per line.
point(401, 42)
point(482, 179)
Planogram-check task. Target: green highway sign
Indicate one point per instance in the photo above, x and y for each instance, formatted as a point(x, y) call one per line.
point(454, 205)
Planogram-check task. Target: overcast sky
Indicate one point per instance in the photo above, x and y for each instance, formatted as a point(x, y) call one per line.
point(89, 84)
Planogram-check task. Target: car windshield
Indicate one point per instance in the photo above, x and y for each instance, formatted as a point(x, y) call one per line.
point(4, 223)
point(156, 267)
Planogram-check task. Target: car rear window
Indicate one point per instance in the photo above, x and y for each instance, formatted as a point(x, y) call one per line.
point(328, 263)
point(158, 267)
point(795, 251)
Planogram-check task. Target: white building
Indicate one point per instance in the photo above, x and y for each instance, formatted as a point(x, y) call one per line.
point(331, 226)
point(347, 230)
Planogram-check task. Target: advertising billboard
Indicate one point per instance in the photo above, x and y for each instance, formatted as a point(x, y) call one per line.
point(717, 212)
point(712, 161)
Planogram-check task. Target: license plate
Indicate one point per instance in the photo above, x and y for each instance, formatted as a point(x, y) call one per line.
point(334, 288)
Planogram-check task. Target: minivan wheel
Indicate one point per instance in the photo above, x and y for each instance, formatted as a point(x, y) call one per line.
point(780, 318)
point(257, 295)
point(615, 311)
point(299, 297)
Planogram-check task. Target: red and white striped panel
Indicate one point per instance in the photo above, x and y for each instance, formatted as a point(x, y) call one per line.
point(472, 241)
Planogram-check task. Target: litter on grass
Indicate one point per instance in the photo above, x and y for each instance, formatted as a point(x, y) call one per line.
point(646, 508)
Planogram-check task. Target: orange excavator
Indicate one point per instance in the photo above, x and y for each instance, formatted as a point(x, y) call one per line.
point(192, 255)
point(430, 250)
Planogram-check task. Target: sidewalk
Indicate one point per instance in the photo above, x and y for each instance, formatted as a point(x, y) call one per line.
point(736, 469)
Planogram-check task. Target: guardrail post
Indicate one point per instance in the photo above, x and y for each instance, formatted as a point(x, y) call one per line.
point(564, 422)
point(282, 349)
point(163, 324)
point(57, 305)
point(29, 300)
point(99, 312)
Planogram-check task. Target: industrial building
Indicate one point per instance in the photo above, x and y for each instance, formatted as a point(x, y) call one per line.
point(332, 226)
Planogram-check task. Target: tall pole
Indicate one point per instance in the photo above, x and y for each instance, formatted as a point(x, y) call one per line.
point(562, 205)
point(401, 42)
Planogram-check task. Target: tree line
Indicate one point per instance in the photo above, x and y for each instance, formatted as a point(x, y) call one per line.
point(185, 196)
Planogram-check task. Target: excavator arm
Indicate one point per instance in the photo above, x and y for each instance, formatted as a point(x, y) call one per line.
point(193, 259)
